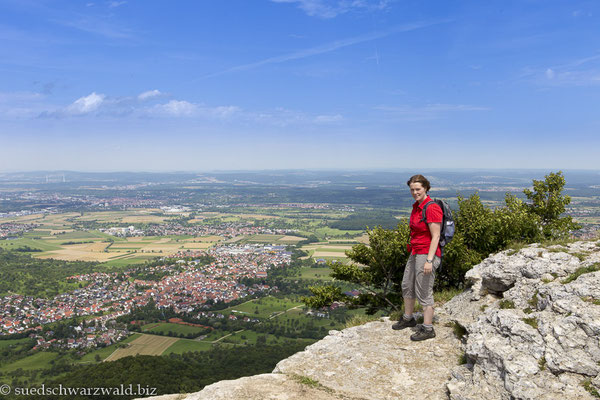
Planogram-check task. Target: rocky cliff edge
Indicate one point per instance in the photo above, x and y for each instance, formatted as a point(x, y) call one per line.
point(528, 327)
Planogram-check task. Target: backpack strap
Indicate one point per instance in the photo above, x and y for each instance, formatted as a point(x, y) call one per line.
point(424, 219)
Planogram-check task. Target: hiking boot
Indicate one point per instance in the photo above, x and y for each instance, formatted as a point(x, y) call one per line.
point(404, 324)
point(422, 334)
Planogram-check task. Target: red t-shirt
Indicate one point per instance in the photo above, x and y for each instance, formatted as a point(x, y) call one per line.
point(420, 237)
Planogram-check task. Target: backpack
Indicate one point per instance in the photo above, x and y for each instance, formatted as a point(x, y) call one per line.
point(447, 231)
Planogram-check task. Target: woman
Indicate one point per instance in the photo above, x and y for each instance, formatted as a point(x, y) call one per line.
point(425, 257)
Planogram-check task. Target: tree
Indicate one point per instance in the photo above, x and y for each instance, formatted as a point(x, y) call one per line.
point(548, 202)
point(376, 268)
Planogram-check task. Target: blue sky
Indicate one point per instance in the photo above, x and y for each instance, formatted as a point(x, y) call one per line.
point(148, 85)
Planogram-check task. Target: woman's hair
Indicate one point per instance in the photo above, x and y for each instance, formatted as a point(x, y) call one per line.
point(419, 179)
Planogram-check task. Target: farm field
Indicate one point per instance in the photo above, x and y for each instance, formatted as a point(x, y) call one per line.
point(588, 220)
point(327, 251)
point(133, 216)
point(105, 352)
point(270, 239)
point(152, 345)
point(165, 327)
point(264, 307)
point(57, 239)
point(38, 360)
point(321, 274)
point(12, 343)
point(329, 323)
point(214, 336)
point(248, 337)
point(230, 217)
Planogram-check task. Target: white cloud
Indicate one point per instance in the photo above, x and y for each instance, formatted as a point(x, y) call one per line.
point(221, 111)
point(21, 104)
point(98, 26)
point(427, 112)
point(9, 97)
point(579, 72)
point(182, 108)
point(86, 105)
point(330, 9)
point(283, 117)
point(580, 13)
point(114, 4)
point(177, 108)
point(98, 105)
point(328, 118)
point(149, 94)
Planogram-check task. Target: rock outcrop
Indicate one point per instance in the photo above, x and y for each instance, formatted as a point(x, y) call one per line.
point(369, 361)
point(532, 326)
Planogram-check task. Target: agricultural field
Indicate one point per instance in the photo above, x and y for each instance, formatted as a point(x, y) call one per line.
point(57, 239)
point(270, 239)
point(322, 274)
point(152, 345)
point(105, 352)
point(185, 345)
point(214, 336)
point(12, 343)
point(328, 251)
point(265, 307)
point(166, 327)
point(134, 216)
point(38, 360)
point(588, 220)
point(247, 337)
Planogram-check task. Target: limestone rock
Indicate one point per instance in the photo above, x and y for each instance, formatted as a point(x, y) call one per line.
point(263, 387)
point(367, 362)
point(541, 342)
point(374, 362)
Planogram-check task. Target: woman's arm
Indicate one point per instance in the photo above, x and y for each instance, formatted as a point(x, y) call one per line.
point(435, 229)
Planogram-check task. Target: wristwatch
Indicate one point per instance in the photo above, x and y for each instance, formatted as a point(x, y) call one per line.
point(430, 261)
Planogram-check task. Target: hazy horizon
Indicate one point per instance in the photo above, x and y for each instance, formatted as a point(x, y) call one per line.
point(296, 170)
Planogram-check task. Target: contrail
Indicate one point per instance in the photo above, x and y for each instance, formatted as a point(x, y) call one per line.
point(326, 48)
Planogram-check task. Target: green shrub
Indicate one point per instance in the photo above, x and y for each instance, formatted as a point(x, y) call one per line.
point(531, 322)
point(587, 385)
point(506, 304)
point(580, 271)
point(591, 300)
point(533, 302)
point(360, 319)
point(542, 363)
point(459, 331)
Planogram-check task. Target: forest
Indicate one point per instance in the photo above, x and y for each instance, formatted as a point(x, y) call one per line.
point(30, 276)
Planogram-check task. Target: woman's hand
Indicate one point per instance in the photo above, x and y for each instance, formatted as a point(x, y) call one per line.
point(427, 268)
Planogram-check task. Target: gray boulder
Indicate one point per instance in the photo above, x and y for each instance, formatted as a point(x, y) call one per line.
point(541, 339)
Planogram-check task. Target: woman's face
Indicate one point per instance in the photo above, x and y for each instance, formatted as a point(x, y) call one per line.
point(418, 192)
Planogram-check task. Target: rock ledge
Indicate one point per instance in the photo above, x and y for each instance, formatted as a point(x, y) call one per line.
point(530, 334)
